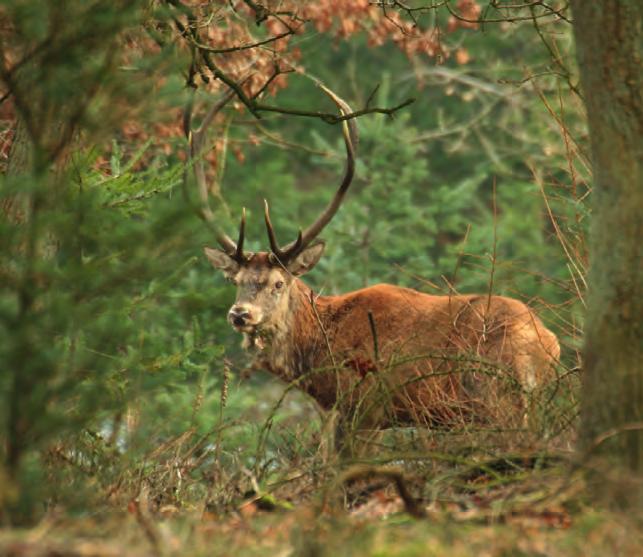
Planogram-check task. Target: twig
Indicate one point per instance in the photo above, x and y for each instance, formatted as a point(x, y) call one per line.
point(212, 50)
point(493, 255)
point(145, 521)
point(612, 432)
point(388, 473)
point(511, 19)
point(329, 117)
point(561, 239)
point(371, 322)
point(322, 329)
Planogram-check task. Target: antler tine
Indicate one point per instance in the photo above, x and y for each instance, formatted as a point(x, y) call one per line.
point(196, 139)
point(274, 244)
point(239, 255)
point(349, 130)
point(280, 254)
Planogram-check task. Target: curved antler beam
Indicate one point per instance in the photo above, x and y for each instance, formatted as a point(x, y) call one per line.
point(196, 140)
point(349, 129)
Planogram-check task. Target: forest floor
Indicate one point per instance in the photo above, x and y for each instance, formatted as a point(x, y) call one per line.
point(301, 532)
point(366, 510)
point(369, 531)
point(280, 491)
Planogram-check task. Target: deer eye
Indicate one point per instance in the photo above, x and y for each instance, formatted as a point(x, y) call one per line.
point(278, 284)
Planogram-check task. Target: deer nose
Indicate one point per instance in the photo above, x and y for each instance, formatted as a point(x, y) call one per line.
point(238, 315)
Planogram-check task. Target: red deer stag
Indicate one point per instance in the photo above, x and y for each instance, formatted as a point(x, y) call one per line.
point(382, 355)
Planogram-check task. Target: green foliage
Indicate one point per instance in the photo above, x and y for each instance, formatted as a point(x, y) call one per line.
point(101, 303)
point(113, 338)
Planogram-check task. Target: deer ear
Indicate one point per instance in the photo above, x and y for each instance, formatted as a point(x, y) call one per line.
point(307, 259)
point(222, 261)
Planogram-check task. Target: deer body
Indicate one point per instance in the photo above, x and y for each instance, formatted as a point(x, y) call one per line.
point(381, 355)
point(387, 355)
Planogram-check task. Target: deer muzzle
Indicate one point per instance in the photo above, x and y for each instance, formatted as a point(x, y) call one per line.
point(243, 318)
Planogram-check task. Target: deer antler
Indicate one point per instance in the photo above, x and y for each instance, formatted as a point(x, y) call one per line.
point(349, 129)
point(196, 140)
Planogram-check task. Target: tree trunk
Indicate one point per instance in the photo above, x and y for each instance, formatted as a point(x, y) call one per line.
point(608, 42)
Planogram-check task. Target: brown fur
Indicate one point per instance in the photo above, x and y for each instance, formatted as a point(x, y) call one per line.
point(421, 359)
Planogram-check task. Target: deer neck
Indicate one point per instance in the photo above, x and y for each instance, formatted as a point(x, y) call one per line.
point(294, 342)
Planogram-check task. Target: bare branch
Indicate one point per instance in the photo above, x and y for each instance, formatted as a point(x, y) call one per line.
point(211, 50)
point(190, 33)
point(331, 118)
point(549, 11)
point(510, 18)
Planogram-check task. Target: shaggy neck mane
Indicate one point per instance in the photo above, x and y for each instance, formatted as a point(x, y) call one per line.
point(294, 344)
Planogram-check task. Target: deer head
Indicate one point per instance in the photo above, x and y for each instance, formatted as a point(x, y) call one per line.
point(265, 280)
